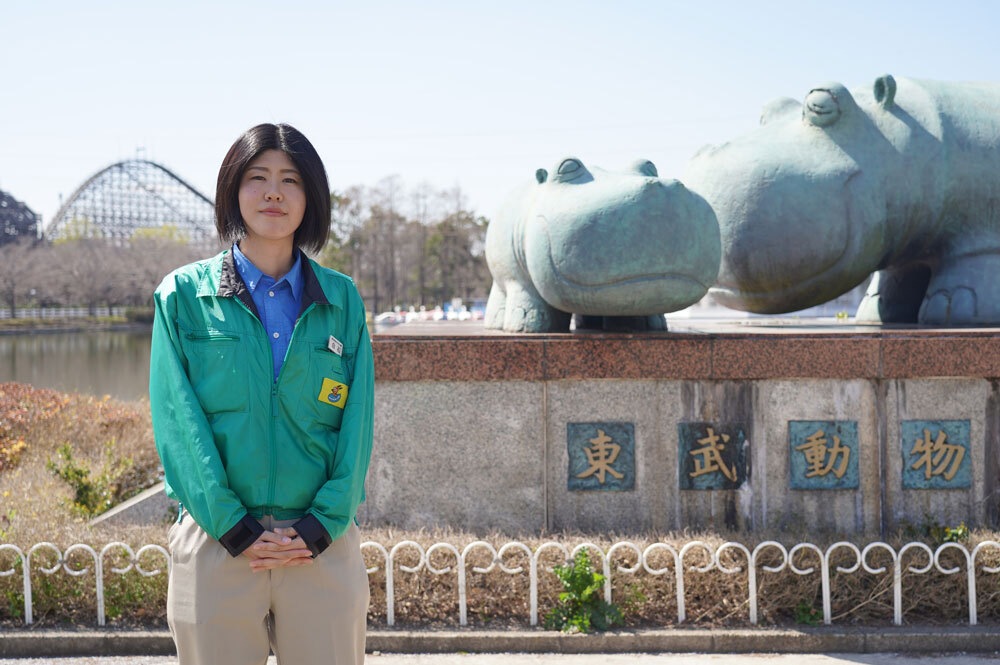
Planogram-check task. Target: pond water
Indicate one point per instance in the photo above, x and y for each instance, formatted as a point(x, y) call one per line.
point(99, 363)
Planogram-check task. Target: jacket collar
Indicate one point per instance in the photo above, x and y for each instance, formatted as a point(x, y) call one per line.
point(252, 275)
point(231, 284)
point(312, 291)
point(223, 280)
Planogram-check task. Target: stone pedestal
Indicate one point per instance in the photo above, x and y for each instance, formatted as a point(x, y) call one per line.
point(797, 426)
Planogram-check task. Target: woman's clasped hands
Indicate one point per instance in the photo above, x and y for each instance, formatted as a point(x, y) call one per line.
point(278, 548)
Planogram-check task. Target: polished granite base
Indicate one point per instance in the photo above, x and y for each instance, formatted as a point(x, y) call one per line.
point(755, 348)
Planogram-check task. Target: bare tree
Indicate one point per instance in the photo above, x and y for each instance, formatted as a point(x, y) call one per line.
point(455, 249)
point(346, 210)
point(423, 203)
point(19, 270)
point(146, 260)
point(388, 193)
point(88, 271)
point(430, 249)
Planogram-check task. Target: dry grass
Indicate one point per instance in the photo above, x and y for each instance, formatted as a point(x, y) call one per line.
point(35, 422)
point(34, 507)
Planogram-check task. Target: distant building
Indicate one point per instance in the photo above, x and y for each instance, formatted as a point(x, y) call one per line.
point(16, 220)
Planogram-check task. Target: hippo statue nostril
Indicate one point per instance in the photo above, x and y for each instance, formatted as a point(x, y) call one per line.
point(821, 108)
point(645, 167)
point(663, 187)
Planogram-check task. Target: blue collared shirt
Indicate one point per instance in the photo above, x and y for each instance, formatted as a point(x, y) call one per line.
point(277, 303)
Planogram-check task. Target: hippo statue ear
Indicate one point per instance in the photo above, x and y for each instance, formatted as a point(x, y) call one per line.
point(885, 90)
point(541, 175)
point(778, 107)
point(821, 107)
point(645, 167)
point(570, 169)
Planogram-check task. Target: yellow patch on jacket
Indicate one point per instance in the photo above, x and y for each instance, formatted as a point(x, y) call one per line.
point(333, 392)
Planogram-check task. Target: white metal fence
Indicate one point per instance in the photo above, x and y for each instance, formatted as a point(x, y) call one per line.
point(801, 559)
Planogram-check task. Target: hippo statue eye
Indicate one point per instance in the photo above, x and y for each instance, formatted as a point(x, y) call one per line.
point(821, 108)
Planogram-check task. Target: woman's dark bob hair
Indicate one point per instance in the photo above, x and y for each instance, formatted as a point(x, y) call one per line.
point(312, 234)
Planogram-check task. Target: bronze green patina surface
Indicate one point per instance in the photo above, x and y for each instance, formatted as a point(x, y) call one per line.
point(601, 456)
point(901, 177)
point(626, 245)
point(936, 454)
point(711, 456)
point(823, 454)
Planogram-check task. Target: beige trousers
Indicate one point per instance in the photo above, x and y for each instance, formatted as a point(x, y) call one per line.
point(222, 613)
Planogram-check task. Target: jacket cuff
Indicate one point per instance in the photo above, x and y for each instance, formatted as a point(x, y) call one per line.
point(313, 534)
point(241, 536)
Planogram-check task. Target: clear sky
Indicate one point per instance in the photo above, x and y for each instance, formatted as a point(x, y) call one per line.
point(470, 93)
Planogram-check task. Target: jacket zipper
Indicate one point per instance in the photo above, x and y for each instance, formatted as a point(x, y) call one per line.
point(272, 448)
point(272, 455)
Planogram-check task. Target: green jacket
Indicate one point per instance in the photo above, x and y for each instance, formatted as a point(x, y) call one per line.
point(236, 444)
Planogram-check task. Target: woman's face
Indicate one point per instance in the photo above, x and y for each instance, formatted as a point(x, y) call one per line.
point(272, 198)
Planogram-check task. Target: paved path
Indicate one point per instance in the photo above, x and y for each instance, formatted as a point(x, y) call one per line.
point(569, 659)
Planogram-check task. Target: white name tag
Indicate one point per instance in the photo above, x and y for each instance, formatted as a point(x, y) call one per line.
point(335, 345)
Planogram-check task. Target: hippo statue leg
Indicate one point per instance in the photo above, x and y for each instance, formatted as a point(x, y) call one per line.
point(656, 322)
point(520, 308)
point(894, 295)
point(964, 291)
point(494, 308)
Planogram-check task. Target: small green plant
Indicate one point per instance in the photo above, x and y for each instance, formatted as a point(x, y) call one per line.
point(15, 603)
point(91, 495)
point(806, 614)
point(581, 607)
point(633, 598)
point(5, 520)
point(939, 534)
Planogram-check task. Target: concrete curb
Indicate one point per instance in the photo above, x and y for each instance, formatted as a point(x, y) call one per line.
point(976, 639)
point(151, 506)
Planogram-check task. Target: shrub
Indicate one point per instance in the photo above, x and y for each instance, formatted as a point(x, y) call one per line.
point(93, 495)
point(936, 533)
point(10, 453)
point(22, 409)
point(581, 607)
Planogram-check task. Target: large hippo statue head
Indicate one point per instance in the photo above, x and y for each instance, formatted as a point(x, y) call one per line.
point(800, 201)
point(594, 242)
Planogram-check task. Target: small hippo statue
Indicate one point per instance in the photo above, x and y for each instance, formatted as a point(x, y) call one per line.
point(617, 249)
point(902, 177)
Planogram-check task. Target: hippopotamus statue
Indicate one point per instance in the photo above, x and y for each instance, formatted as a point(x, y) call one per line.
point(902, 177)
point(598, 244)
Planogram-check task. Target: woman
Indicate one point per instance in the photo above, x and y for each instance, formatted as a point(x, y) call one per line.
point(261, 389)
